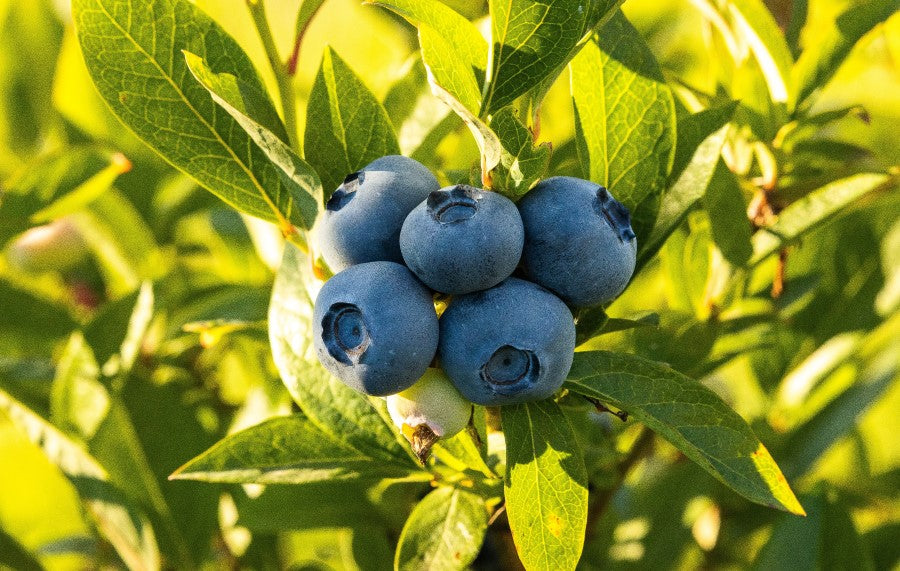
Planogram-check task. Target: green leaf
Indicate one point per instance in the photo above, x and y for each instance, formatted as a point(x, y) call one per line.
point(522, 163)
point(821, 59)
point(444, 531)
point(488, 143)
point(812, 211)
point(346, 126)
point(78, 401)
point(546, 485)
point(700, 140)
point(534, 41)
point(755, 23)
point(593, 322)
point(691, 417)
point(324, 504)
point(140, 72)
point(624, 118)
point(119, 520)
point(55, 185)
point(454, 52)
point(255, 113)
point(284, 450)
point(724, 201)
point(333, 407)
point(117, 332)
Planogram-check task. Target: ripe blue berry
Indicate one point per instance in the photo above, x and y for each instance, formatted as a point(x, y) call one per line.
point(512, 343)
point(375, 327)
point(578, 240)
point(462, 239)
point(362, 219)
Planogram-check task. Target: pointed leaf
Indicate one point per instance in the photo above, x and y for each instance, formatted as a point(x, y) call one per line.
point(624, 118)
point(545, 487)
point(140, 72)
point(812, 211)
point(283, 450)
point(691, 417)
point(533, 42)
point(724, 201)
point(454, 52)
point(700, 140)
point(257, 116)
point(522, 163)
point(332, 406)
point(346, 126)
point(78, 400)
point(444, 531)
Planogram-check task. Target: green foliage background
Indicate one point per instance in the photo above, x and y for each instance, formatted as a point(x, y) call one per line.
point(149, 327)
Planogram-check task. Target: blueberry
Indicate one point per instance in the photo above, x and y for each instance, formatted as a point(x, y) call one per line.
point(578, 240)
point(375, 327)
point(512, 343)
point(461, 239)
point(429, 410)
point(362, 219)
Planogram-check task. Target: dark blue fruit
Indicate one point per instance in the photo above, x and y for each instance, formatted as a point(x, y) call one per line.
point(578, 240)
point(375, 327)
point(512, 343)
point(462, 239)
point(362, 219)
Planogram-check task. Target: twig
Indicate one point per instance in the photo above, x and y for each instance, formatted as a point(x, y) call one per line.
point(282, 77)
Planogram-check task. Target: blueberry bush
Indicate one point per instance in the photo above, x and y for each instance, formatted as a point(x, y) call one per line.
point(424, 284)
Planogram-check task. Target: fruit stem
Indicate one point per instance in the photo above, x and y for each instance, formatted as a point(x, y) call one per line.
point(283, 78)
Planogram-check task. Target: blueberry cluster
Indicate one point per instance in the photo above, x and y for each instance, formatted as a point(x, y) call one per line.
point(395, 237)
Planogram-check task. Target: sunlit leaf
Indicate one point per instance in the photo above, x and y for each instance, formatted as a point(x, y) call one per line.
point(812, 211)
point(117, 517)
point(141, 73)
point(284, 450)
point(545, 487)
point(346, 126)
point(691, 417)
point(454, 52)
point(624, 118)
point(700, 139)
point(522, 163)
point(55, 185)
point(48, 534)
point(757, 26)
point(533, 42)
point(444, 531)
point(255, 113)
